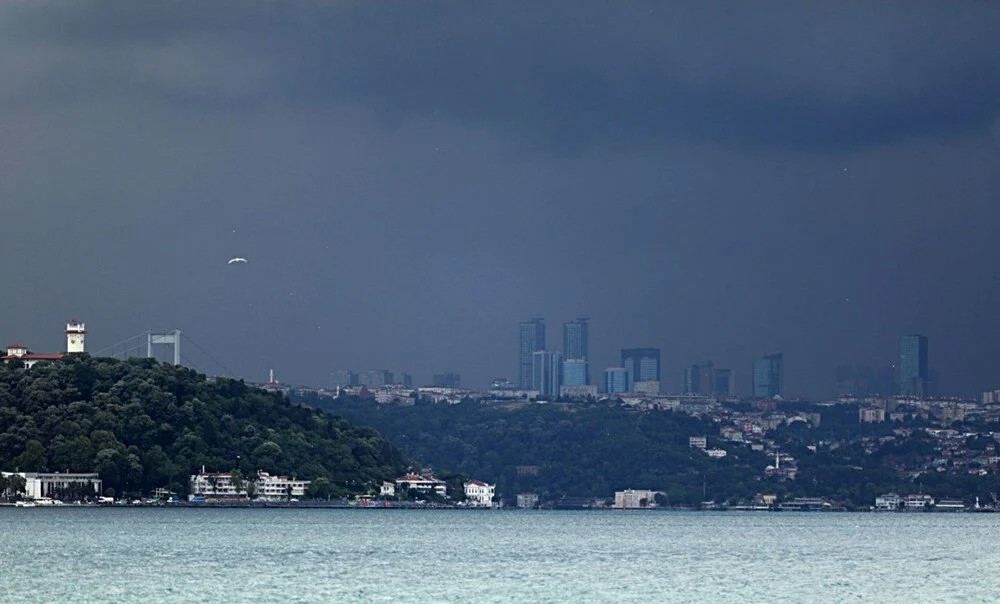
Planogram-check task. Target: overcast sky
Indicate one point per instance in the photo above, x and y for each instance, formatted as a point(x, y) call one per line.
point(408, 180)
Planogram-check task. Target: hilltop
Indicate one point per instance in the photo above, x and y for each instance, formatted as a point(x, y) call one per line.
point(143, 424)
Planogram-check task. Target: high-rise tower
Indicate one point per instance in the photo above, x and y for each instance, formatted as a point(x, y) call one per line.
point(532, 339)
point(913, 373)
point(76, 332)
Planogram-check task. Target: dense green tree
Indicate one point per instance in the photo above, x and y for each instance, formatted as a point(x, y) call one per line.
point(143, 425)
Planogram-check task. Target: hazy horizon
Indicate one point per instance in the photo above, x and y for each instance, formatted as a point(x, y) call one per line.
point(409, 181)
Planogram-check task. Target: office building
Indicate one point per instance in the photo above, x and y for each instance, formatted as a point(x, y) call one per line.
point(699, 379)
point(913, 373)
point(532, 340)
point(574, 372)
point(547, 373)
point(723, 382)
point(344, 379)
point(642, 364)
point(769, 376)
point(616, 380)
point(576, 338)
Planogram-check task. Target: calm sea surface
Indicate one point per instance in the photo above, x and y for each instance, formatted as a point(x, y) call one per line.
point(232, 555)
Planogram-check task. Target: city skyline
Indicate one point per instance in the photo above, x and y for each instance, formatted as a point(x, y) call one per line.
point(802, 178)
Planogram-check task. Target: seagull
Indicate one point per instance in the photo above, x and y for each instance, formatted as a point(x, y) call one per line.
point(237, 261)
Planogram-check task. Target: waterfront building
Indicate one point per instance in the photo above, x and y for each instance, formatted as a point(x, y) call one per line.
point(527, 500)
point(422, 483)
point(913, 372)
point(769, 376)
point(39, 485)
point(268, 487)
point(634, 499)
point(546, 373)
point(642, 364)
point(575, 372)
point(388, 489)
point(889, 502)
point(616, 380)
point(479, 494)
point(532, 340)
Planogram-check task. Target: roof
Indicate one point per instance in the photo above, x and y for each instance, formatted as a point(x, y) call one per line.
point(31, 356)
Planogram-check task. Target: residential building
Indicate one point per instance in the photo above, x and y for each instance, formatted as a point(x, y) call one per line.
point(578, 392)
point(402, 378)
point(575, 372)
point(527, 500)
point(871, 415)
point(375, 378)
point(698, 442)
point(422, 483)
point(642, 364)
point(547, 373)
point(479, 494)
point(634, 499)
point(918, 502)
point(446, 380)
point(913, 373)
point(38, 485)
point(388, 489)
point(889, 502)
point(616, 380)
point(646, 387)
point(532, 340)
point(769, 376)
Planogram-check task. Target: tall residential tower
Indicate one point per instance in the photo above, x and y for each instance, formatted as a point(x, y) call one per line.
point(532, 339)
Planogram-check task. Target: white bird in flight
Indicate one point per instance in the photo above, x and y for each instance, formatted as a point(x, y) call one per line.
point(237, 261)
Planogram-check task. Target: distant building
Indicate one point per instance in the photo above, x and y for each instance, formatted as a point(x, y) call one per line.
point(575, 372)
point(642, 364)
point(447, 380)
point(723, 383)
point(616, 380)
point(532, 340)
point(697, 442)
point(267, 487)
point(646, 387)
point(918, 502)
point(578, 392)
point(502, 383)
point(527, 500)
point(76, 333)
point(871, 415)
point(769, 376)
point(421, 483)
point(576, 342)
point(39, 485)
point(546, 373)
point(375, 378)
point(388, 489)
point(913, 373)
point(402, 378)
point(633, 499)
point(479, 494)
point(344, 379)
point(889, 502)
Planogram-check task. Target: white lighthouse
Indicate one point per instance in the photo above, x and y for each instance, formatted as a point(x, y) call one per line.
point(75, 334)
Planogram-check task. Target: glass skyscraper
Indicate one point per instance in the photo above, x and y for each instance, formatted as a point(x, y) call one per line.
point(769, 376)
point(575, 372)
point(913, 373)
point(547, 373)
point(532, 339)
point(576, 345)
point(642, 364)
point(616, 380)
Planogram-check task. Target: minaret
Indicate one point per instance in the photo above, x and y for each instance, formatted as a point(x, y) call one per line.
point(270, 379)
point(75, 334)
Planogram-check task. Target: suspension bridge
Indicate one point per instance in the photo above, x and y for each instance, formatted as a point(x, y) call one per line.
point(169, 346)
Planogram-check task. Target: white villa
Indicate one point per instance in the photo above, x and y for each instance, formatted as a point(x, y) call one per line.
point(479, 494)
point(422, 483)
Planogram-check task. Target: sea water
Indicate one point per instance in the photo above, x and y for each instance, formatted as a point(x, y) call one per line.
point(379, 555)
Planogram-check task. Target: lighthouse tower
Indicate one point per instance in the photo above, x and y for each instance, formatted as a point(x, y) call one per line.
point(75, 334)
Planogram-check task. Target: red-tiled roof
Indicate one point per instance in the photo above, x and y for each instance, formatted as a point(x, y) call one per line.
point(34, 357)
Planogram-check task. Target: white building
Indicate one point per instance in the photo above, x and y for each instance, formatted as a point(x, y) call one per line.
point(387, 489)
point(76, 333)
point(918, 502)
point(527, 500)
point(634, 499)
point(268, 487)
point(698, 442)
point(424, 484)
point(479, 494)
point(890, 502)
point(38, 485)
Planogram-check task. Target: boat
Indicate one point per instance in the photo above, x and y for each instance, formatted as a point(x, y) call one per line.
point(24, 504)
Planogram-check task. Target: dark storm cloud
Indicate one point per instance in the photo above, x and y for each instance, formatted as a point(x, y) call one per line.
point(408, 180)
point(559, 75)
